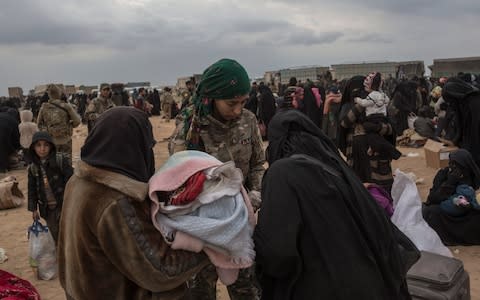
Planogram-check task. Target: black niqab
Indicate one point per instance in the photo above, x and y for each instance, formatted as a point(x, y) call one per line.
point(353, 88)
point(332, 222)
point(267, 104)
point(9, 138)
point(456, 89)
point(465, 159)
point(121, 141)
point(463, 115)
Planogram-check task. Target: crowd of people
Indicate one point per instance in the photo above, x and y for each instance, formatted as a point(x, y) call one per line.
point(327, 142)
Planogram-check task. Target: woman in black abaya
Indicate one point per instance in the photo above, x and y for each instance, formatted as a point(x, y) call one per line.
point(354, 141)
point(320, 234)
point(454, 230)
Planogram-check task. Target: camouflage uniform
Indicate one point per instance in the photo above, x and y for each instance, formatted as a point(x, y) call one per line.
point(186, 99)
point(97, 107)
point(166, 101)
point(238, 140)
point(58, 119)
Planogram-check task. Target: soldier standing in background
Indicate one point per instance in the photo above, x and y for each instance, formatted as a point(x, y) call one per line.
point(58, 118)
point(187, 95)
point(166, 101)
point(99, 105)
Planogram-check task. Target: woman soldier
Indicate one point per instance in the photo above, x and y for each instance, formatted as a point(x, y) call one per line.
point(218, 124)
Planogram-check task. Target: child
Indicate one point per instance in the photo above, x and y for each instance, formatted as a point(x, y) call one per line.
point(376, 101)
point(26, 128)
point(47, 176)
point(376, 114)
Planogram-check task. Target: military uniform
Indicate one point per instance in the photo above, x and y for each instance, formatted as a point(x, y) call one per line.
point(166, 102)
point(186, 99)
point(97, 107)
point(58, 119)
point(239, 141)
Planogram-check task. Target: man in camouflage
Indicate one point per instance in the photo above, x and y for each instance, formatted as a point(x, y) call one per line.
point(58, 118)
point(167, 101)
point(187, 95)
point(99, 105)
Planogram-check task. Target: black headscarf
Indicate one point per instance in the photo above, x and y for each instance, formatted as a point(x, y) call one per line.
point(353, 88)
point(456, 89)
point(122, 141)
point(9, 138)
point(267, 104)
point(465, 160)
point(364, 237)
point(405, 96)
point(288, 136)
point(462, 115)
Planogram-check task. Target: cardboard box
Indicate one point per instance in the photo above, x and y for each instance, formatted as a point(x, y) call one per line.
point(437, 154)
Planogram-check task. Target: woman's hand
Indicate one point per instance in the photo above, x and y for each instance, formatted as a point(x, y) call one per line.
point(36, 215)
point(332, 97)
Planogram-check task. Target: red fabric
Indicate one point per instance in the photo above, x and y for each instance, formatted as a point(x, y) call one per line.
point(14, 288)
point(190, 190)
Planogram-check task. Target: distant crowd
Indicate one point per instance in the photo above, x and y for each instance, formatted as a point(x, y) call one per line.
point(124, 230)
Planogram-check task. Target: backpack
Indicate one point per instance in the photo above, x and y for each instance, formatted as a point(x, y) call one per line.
point(56, 120)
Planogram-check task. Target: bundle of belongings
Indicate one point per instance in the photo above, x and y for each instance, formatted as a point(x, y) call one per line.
point(199, 203)
point(410, 138)
point(461, 202)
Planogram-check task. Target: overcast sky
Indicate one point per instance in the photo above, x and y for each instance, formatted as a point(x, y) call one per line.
point(92, 41)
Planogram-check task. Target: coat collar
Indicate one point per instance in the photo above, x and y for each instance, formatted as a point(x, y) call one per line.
point(133, 188)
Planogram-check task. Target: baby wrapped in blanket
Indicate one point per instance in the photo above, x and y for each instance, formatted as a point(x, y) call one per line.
point(199, 203)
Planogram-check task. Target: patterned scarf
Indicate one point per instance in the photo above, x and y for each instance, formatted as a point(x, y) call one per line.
point(225, 79)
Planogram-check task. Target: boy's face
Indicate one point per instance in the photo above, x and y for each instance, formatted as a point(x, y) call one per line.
point(42, 149)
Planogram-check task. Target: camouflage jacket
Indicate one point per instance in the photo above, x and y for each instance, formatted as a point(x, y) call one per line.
point(58, 119)
point(97, 107)
point(166, 98)
point(238, 140)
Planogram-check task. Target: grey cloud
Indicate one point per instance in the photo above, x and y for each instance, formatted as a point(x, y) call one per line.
point(309, 37)
point(258, 25)
point(29, 22)
point(409, 8)
point(370, 38)
point(52, 23)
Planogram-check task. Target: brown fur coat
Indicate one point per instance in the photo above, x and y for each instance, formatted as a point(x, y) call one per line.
point(108, 247)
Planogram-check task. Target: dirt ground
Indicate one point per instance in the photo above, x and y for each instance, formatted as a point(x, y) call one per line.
point(14, 222)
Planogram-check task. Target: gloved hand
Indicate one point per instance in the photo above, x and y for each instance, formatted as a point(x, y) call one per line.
point(255, 199)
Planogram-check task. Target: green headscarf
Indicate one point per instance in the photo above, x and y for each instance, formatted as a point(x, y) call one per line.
point(225, 79)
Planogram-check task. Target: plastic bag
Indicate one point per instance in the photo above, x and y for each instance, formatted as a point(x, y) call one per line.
point(407, 216)
point(43, 259)
point(411, 120)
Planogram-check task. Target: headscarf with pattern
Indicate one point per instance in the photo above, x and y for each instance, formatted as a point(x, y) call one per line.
point(225, 79)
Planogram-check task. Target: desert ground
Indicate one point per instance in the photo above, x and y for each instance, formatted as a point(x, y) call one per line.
point(14, 222)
